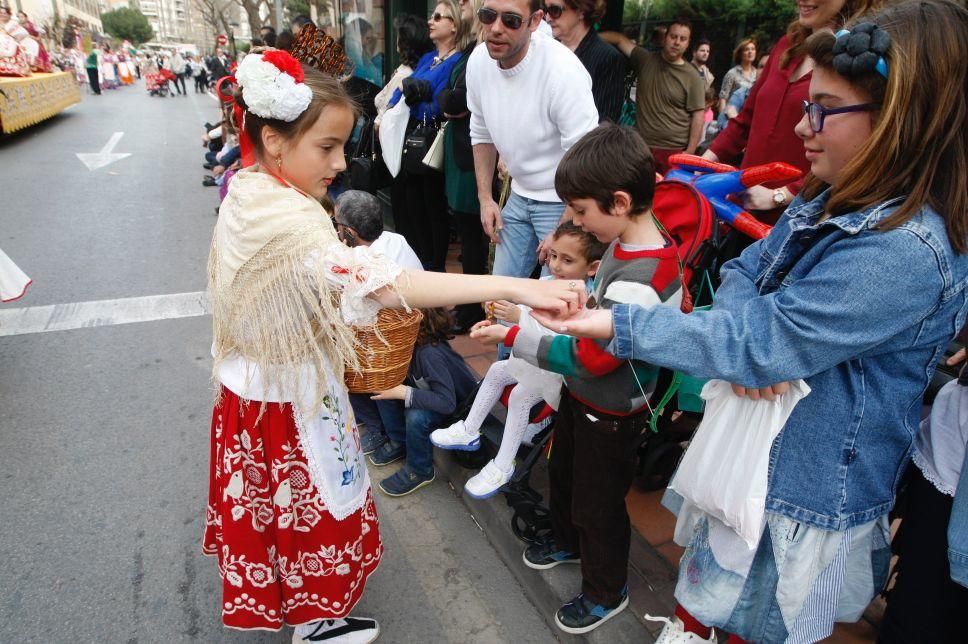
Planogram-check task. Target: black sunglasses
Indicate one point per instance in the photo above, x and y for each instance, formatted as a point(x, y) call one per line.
point(437, 17)
point(816, 113)
point(510, 20)
point(554, 10)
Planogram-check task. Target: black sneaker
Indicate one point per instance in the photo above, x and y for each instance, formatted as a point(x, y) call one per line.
point(542, 556)
point(582, 615)
point(405, 481)
point(389, 452)
point(349, 630)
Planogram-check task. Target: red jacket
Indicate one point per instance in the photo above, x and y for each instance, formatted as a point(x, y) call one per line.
point(764, 127)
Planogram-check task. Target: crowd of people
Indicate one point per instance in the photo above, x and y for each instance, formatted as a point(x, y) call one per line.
point(854, 297)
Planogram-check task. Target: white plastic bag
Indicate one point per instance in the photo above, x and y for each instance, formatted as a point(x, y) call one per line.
point(393, 129)
point(724, 471)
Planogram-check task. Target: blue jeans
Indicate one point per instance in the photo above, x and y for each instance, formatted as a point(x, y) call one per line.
point(526, 223)
point(382, 416)
point(420, 453)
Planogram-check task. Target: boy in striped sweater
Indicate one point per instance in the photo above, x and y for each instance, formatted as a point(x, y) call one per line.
point(607, 180)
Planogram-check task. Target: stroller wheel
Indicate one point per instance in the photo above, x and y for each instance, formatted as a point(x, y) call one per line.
point(531, 523)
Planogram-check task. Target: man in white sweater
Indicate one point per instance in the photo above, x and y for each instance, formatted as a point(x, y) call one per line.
point(530, 100)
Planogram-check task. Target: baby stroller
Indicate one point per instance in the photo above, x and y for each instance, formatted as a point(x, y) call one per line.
point(692, 205)
point(157, 84)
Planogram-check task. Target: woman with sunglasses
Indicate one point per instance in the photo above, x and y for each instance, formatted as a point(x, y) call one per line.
point(763, 130)
point(418, 196)
point(572, 24)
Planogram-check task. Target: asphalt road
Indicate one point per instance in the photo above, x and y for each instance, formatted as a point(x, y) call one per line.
point(104, 428)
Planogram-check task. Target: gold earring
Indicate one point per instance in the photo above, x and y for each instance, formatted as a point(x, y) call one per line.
point(279, 161)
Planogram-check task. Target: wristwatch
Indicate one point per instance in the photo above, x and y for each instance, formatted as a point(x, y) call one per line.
point(779, 198)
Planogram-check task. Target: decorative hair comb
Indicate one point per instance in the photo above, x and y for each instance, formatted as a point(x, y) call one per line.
point(319, 50)
point(861, 50)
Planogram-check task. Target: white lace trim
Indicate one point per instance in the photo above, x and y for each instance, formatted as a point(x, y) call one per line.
point(313, 434)
point(930, 475)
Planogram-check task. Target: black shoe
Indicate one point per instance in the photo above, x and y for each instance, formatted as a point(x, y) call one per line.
point(209, 181)
point(405, 481)
point(389, 452)
point(207, 166)
point(349, 630)
point(582, 615)
point(544, 555)
point(372, 441)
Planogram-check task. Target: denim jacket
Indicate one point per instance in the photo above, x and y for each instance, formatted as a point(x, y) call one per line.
point(958, 530)
point(862, 315)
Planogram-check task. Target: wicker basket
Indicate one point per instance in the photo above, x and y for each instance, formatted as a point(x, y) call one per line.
point(384, 366)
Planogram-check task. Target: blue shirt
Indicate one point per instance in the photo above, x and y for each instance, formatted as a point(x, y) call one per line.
point(438, 76)
point(863, 316)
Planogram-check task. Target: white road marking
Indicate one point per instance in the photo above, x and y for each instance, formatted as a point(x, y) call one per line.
point(82, 315)
point(107, 156)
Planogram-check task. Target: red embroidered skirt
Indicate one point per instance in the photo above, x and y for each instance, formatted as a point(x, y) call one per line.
point(282, 556)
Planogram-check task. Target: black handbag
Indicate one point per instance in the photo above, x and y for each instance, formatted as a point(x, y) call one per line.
point(365, 169)
point(415, 147)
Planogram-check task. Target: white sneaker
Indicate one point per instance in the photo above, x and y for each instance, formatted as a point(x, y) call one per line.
point(488, 481)
point(349, 630)
point(456, 437)
point(673, 632)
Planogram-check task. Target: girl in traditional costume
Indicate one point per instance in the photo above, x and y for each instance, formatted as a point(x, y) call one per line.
point(37, 56)
point(290, 513)
point(42, 61)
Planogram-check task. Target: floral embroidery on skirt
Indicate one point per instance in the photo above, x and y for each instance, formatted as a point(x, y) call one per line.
point(282, 557)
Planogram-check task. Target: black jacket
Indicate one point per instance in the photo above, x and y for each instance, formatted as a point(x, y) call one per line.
point(453, 100)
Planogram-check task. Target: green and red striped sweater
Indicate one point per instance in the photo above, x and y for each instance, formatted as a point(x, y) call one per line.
point(592, 375)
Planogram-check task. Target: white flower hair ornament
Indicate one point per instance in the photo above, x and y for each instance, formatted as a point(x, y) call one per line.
point(272, 85)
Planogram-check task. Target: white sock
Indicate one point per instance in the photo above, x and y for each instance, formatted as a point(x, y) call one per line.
point(490, 391)
point(520, 402)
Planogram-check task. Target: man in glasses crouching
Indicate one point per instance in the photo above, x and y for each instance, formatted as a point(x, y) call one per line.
point(530, 100)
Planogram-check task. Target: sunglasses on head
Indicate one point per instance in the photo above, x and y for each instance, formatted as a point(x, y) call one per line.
point(554, 11)
point(437, 17)
point(510, 20)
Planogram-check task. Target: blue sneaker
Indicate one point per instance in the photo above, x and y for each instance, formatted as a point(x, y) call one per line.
point(542, 556)
point(405, 481)
point(372, 440)
point(389, 452)
point(582, 615)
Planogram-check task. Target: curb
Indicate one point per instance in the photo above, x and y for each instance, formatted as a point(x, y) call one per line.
point(651, 578)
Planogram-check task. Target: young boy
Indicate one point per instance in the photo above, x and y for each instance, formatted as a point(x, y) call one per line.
point(574, 255)
point(607, 180)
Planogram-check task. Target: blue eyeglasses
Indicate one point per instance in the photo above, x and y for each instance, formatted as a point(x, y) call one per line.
point(816, 113)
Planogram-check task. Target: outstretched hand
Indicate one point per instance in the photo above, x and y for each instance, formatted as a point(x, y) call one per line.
point(586, 323)
point(487, 332)
point(561, 298)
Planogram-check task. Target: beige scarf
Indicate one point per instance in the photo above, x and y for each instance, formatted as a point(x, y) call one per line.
point(274, 299)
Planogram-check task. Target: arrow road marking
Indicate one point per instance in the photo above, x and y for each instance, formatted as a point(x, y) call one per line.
point(107, 156)
point(82, 315)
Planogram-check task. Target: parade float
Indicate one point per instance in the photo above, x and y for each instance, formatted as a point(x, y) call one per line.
point(31, 90)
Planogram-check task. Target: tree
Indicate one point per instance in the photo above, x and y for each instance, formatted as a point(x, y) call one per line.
point(127, 24)
point(214, 13)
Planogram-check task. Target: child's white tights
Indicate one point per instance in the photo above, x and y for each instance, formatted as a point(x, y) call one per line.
point(520, 402)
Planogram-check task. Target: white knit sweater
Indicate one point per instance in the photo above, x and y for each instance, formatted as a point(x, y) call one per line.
point(532, 113)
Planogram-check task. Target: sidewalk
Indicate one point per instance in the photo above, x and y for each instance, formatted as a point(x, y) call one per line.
point(654, 557)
